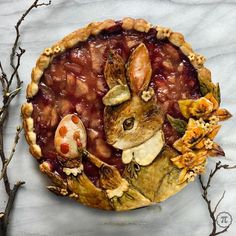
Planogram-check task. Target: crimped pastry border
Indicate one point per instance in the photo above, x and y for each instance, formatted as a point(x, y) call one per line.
point(82, 35)
point(70, 41)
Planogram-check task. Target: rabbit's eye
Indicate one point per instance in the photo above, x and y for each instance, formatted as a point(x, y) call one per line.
point(128, 123)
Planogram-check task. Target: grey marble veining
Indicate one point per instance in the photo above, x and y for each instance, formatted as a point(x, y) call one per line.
point(210, 26)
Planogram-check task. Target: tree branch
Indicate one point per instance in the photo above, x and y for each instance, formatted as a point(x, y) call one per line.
point(8, 94)
point(218, 203)
point(7, 161)
point(15, 69)
point(205, 195)
point(3, 78)
point(4, 218)
point(35, 4)
point(3, 158)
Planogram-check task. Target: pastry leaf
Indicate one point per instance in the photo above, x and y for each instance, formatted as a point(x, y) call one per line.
point(178, 124)
point(206, 86)
point(216, 92)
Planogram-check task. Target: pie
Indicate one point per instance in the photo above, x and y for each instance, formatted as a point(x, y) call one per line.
point(122, 114)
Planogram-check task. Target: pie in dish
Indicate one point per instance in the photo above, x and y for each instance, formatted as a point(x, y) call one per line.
point(122, 114)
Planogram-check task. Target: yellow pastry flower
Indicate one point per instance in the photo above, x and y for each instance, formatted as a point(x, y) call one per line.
point(204, 107)
point(191, 163)
point(197, 142)
point(208, 144)
point(147, 95)
point(48, 51)
point(199, 135)
point(57, 49)
point(213, 120)
point(201, 107)
point(191, 56)
point(201, 59)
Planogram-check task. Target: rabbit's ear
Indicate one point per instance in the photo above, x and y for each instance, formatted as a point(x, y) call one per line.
point(114, 74)
point(114, 71)
point(139, 69)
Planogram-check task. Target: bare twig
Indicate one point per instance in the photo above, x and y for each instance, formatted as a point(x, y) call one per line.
point(218, 203)
point(7, 161)
point(4, 218)
point(35, 4)
point(205, 187)
point(8, 94)
point(3, 158)
point(3, 78)
point(15, 70)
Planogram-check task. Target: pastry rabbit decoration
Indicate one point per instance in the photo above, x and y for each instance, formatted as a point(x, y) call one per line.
point(132, 123)
point(114, 191)
point(132, 116)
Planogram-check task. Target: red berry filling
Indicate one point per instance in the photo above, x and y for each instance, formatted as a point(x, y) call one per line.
point(74, 83)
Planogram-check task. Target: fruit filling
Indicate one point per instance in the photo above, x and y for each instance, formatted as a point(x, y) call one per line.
point(74, 83)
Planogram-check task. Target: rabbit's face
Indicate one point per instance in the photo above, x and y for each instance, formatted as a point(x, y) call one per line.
point(132, 114)
point(132, 123)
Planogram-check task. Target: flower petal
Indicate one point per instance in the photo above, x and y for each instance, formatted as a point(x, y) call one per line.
point(222, 114)
point(216, 150)
point(177, 161)
point(180, 146)
point(211, 98)
point(214, 131)
point(201, 157)
point(183, 176)
point(200, 145)
point(192, 123)
point(201, 107)
point(184, 106)
point(193, 136)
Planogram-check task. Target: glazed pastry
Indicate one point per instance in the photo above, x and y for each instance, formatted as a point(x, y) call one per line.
point(122, 114)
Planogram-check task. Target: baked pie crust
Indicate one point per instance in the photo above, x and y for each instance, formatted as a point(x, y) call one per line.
point(160, 113)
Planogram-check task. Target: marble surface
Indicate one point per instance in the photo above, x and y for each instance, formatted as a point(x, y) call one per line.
point(210, 26)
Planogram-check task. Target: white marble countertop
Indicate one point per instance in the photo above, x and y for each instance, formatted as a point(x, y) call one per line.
point(210, 26)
